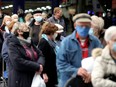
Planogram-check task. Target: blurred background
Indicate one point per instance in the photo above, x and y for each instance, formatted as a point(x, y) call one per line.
point(102, 8)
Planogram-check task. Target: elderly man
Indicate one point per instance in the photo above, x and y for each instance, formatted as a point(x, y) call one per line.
point(74, 48)
point(57, 18)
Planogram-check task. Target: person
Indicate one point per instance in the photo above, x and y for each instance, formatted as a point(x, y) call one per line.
point(48, 48)
point(36, 26)
point(97, 28)
point(25, 59)
point(28, 18)
point(108, 19)
point(6, 22)
point(1, 16)
point(57, 18)
point(104, 71)
point(15, 17)
point(44, 16)
point(4, 51)
point(74, 48)
point(88, 63)
point(72, 12)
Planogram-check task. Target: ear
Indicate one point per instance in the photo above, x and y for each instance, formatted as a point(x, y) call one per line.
point(75, 25)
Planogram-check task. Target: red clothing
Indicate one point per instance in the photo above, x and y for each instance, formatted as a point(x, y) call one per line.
point(31, 53)
point(84, 46)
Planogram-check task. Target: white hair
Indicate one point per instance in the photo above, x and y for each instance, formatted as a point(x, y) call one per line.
point(97, 22)
point(13, 16)
point(109, 33)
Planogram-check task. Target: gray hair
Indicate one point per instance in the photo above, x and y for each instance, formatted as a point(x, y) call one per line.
point(97, 22)
point(109, 33)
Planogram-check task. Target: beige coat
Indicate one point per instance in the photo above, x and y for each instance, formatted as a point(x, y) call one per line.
point(103, 65)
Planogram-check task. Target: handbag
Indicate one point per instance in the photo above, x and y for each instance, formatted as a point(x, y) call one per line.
point(38, 81)
point(3, 82)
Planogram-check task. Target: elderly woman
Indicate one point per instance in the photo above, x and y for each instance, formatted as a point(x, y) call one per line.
point(6, 22)
point(47, 46)
point(104, 71)
point(25, 59)
point(97, 28)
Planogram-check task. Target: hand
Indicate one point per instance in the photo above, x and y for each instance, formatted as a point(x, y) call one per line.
point(88, 79)
point(40, 69)
point(45, 77)
point(82, 72)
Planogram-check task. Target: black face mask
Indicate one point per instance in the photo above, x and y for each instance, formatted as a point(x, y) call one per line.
point(58, 37)
point(25, 35)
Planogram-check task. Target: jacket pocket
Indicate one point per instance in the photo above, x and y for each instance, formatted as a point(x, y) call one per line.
point(71, 54)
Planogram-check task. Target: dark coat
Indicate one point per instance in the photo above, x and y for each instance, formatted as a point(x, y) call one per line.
point(50, 62)
point(77, 82)
point(22, 69)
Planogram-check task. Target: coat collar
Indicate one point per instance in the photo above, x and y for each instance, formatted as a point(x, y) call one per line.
point(106, 55)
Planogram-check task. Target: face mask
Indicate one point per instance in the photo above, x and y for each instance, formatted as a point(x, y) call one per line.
point(114, 47)
point(25, 35)
point(58, 37)
point(91, 31)
point(7, 22)
point(82, 31)
point(15, 20)
point(54, 36)
point(38, 18)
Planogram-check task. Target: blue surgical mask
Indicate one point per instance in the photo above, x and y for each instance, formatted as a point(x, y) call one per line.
point(82, 31)
point(38, 18)
point(114, 47)
point(91, 31)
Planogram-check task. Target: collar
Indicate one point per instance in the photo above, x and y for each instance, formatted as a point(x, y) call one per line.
point(56, 19)
point(25, 41)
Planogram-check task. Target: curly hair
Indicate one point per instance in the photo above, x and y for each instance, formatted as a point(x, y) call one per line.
point(48, 29)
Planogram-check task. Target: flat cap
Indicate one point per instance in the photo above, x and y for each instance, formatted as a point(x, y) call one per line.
point(82, 17)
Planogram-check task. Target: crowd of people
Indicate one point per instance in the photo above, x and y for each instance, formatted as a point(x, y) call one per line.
point(38, 43)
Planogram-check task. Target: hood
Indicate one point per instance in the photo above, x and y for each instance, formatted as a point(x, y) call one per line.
point(106, 55)
point(13, 40)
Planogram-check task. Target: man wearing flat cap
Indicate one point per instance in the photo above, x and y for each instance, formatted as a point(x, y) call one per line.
point(36, 26)
point(74, 48)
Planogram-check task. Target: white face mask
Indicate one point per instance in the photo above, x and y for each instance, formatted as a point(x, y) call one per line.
point(8, 22)
point(38, 18)
point(54, 36)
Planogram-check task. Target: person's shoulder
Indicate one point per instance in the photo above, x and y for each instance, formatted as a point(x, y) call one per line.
point(94, 38)
point(12, 39)
point(67, 38)
point(43, 41)
point(50, 18)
